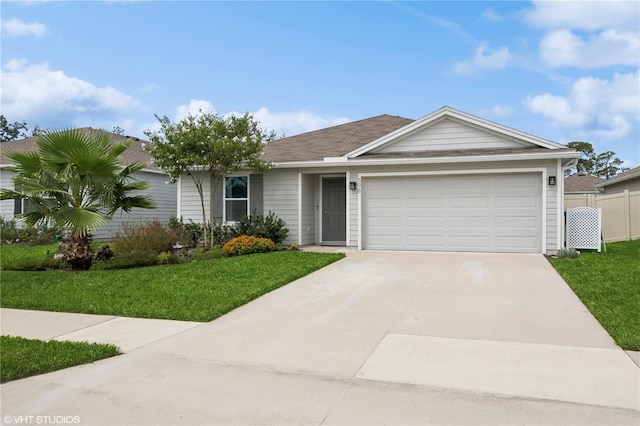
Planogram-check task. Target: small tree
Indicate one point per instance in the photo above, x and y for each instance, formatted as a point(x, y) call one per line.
point(75, 181)
point(208, 146)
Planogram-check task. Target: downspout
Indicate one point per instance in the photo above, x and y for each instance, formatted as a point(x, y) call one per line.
point(567, 166)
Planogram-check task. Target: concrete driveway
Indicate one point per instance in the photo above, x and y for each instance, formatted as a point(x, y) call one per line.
point(377, 338)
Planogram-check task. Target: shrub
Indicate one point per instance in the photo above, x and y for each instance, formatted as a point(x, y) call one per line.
point(150, 237)
point(189, 234)
point(11, 233)
point(569, 253)
point(248, 244)
point(223, 232)
point(104, 252)
point(269, 226)
point(200, 254)
point(168, 258)
point(293, 247)
point(130, 260)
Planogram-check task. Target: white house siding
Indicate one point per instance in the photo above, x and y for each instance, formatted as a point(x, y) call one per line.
point(449, 134)
point(281, 197)
point(164, 197)
point(190, 208)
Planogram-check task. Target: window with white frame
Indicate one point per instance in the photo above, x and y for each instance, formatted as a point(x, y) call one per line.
point(236, 197)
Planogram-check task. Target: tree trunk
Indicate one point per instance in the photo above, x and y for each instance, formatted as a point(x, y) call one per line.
point(78, 254)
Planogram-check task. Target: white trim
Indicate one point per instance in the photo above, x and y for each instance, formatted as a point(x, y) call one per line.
point(561, 227)
point(224, 196)
point(299, 208)
point(449, 112)
point(179, 195)
point(541, 170)
point(347, 208)
point(551, 155)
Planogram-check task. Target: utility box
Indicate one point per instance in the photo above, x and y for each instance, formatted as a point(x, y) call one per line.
point(584, 228)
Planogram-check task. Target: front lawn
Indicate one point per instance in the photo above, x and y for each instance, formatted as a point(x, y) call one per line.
point(12, 254)
point(27, 357)
point(196, 291)
point(609, 285)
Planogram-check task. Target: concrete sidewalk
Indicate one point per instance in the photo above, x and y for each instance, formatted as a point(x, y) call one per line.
point(376, 338)
point(126, 333)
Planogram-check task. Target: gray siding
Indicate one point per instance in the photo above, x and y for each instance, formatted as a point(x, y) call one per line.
point(190, 208)
point(631, 185)
point(449, 134)
point(281, 197)
point(164, 196)
point(309, 189)
point(6, 206)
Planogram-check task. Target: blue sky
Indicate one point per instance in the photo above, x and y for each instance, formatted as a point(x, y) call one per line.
point(561, 70)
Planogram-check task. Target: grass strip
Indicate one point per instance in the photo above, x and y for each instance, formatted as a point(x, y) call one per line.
point(28, 357)
point(609, 285)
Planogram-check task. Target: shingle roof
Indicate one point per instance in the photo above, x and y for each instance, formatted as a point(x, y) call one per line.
point(333, 141)
point(135, 152)
point(580, 182)
point(629, 174)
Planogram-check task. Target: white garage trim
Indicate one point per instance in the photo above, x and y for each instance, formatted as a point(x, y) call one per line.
point(541, 170)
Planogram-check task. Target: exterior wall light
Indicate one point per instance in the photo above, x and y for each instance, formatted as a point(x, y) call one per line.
point(353, 186)
point(552, 180)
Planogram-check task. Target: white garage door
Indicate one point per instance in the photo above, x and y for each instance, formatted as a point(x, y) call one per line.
point(487, 213)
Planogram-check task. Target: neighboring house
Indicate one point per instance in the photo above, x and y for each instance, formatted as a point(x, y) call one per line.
point(629, 180)
point(449, 181)
point(581, 183)
point(164, 194)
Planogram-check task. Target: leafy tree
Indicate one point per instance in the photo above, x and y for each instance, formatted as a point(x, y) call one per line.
point(11, 131)
point(207, 147)
point(37, 131)
point(118, 130)
point(75, 181)
point(603, 165)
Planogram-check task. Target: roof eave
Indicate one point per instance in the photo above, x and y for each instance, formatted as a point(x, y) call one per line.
point(618, 180)
point(429, 160)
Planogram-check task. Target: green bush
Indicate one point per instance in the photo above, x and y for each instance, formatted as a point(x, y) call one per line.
point(188, 234)
point(248, 244)
point(569, 253)
point(269, 226)
point(201, 254)
point(150, 237)
point(168, 258)
point(11, 233)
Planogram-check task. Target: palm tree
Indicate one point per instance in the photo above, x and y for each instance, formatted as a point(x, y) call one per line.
point(74, 180)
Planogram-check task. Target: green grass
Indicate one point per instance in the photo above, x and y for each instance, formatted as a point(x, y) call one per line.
point(197, 291)
point(609, 285)
point(27, 357)
point(11, 254)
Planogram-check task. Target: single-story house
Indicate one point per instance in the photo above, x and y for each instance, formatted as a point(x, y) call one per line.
point(449, 181)
point(163, 193)
point(629, 180)
point(582, 183)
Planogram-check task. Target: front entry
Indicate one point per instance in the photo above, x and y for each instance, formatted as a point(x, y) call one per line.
point(334, 211)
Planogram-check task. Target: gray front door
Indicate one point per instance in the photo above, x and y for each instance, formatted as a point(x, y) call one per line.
point(334, 211)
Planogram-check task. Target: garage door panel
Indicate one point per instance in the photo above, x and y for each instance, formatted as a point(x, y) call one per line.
point(493, 213)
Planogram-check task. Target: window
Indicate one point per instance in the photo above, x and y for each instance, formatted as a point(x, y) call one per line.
point(236, 197)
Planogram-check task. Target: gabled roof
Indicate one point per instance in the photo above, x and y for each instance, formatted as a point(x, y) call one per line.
point(582, 183)
point(334, 141)
point(135, 152)
point(468, 119)
point(368, 140)
point(622, 177)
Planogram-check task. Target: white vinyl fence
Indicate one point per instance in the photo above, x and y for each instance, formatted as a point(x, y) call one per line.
point(620, 213)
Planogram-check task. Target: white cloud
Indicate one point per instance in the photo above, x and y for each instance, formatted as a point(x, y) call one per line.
point(36, 93)
point(563, 48)
point(486, 58)
point(491, 15)
point(194, 108)
point(607, 109)
point(16, 28)
point(584, 15)
point(294, 122)
point(497, 111)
